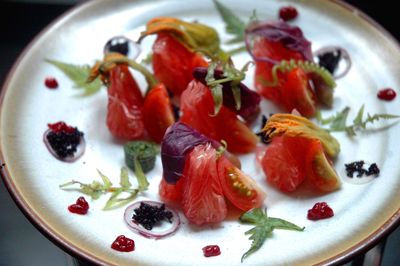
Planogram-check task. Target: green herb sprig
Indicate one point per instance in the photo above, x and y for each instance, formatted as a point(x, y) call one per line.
point(78, 74)
point(264, 226)
point(96, 188)
point(338, 121)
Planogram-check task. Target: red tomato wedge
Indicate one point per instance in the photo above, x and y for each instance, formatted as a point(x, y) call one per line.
point(241, 190)
point(157, 112)
point(297, 93)
point(284, 162)
point(173, 63)
point(197, 108)
point(203, 200)
point(125, 100)
point(319, 168)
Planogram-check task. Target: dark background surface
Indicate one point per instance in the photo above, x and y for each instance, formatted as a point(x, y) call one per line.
point(20, 242)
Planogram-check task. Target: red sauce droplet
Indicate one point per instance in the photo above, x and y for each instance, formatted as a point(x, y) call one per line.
point(80, 207)
point(51, 83)
point(387, 94)
point(321, 210)
point(211, 250)
point(287, 13)
point(123, 244)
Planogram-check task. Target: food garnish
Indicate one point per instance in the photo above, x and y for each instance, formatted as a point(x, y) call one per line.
point(140, 154)
point(211, 251)
point(122, 45)
point(358, 167)
point(78, 74)
point(338, 122)
point(96, 189)
point(64, 142)
point(330, 58)
point(287, 13)
point(51, 83)
point(81, 206)
point(123, 244)
point(296, 126)
point(387, 94)
point(146, 218)
point(320, 210)
point(264, 226)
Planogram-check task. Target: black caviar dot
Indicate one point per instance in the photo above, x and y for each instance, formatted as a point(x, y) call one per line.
point(148, 215)
point(262, 134)
point(330, 60)
point(358, 167)
point(64, 143)
point(373, 170)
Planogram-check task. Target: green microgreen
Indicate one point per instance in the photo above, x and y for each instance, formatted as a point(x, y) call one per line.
point(78, 74)
point(96, 188)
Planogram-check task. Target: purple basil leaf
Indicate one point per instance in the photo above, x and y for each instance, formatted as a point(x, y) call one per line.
point(279, 31)
point(250, 100)
point(179, 139)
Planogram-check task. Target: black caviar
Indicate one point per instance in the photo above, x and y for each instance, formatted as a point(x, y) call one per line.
point(330, 60)
point(148, 215)
point(65, 143)
point(358, 167)
point(261, 134)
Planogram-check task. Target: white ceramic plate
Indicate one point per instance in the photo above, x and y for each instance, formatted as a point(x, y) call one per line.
point(363, 213)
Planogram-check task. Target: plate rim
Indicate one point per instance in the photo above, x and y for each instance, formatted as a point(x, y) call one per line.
point(347, 255)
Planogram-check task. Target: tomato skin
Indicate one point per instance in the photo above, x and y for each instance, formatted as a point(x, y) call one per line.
point(320, 172)
point(239, 189)
point(197, 106)
point(125, 100)
point(284, 162)
point(157, 112)
point(203, 200)
point(173, 63)
point(298, 94)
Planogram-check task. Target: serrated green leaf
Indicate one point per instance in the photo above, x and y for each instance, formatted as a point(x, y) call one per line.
point(106, 181)
point(233, 24)
point(258, 236)
point(263, 229)
point(141, 177)
point(278, 223)
point(253, 216)
point(358, 119)
point(124, 178)
point(338, 123)
point(78, 74)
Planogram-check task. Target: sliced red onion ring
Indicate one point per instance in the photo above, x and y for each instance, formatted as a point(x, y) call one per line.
point(157, 233)
point(343, 55)
point(69, 159)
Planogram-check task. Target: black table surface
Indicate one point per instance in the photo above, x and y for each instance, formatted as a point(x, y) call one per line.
point(20, 242)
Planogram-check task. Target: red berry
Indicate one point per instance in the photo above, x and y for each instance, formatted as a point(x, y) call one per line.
point(51, 83)
point(80, 207)
point(387, 94)
point(211, 250)
point(321, 210)
point(287, 13)
point(123, 244)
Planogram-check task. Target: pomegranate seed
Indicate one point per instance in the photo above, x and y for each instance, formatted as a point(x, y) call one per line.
point(321, 210)
point(287, 13)
point(51, 83)
point(61, 127)
point(123, 244)
point(211, 250)
point(387, 94)
point(80, 207)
